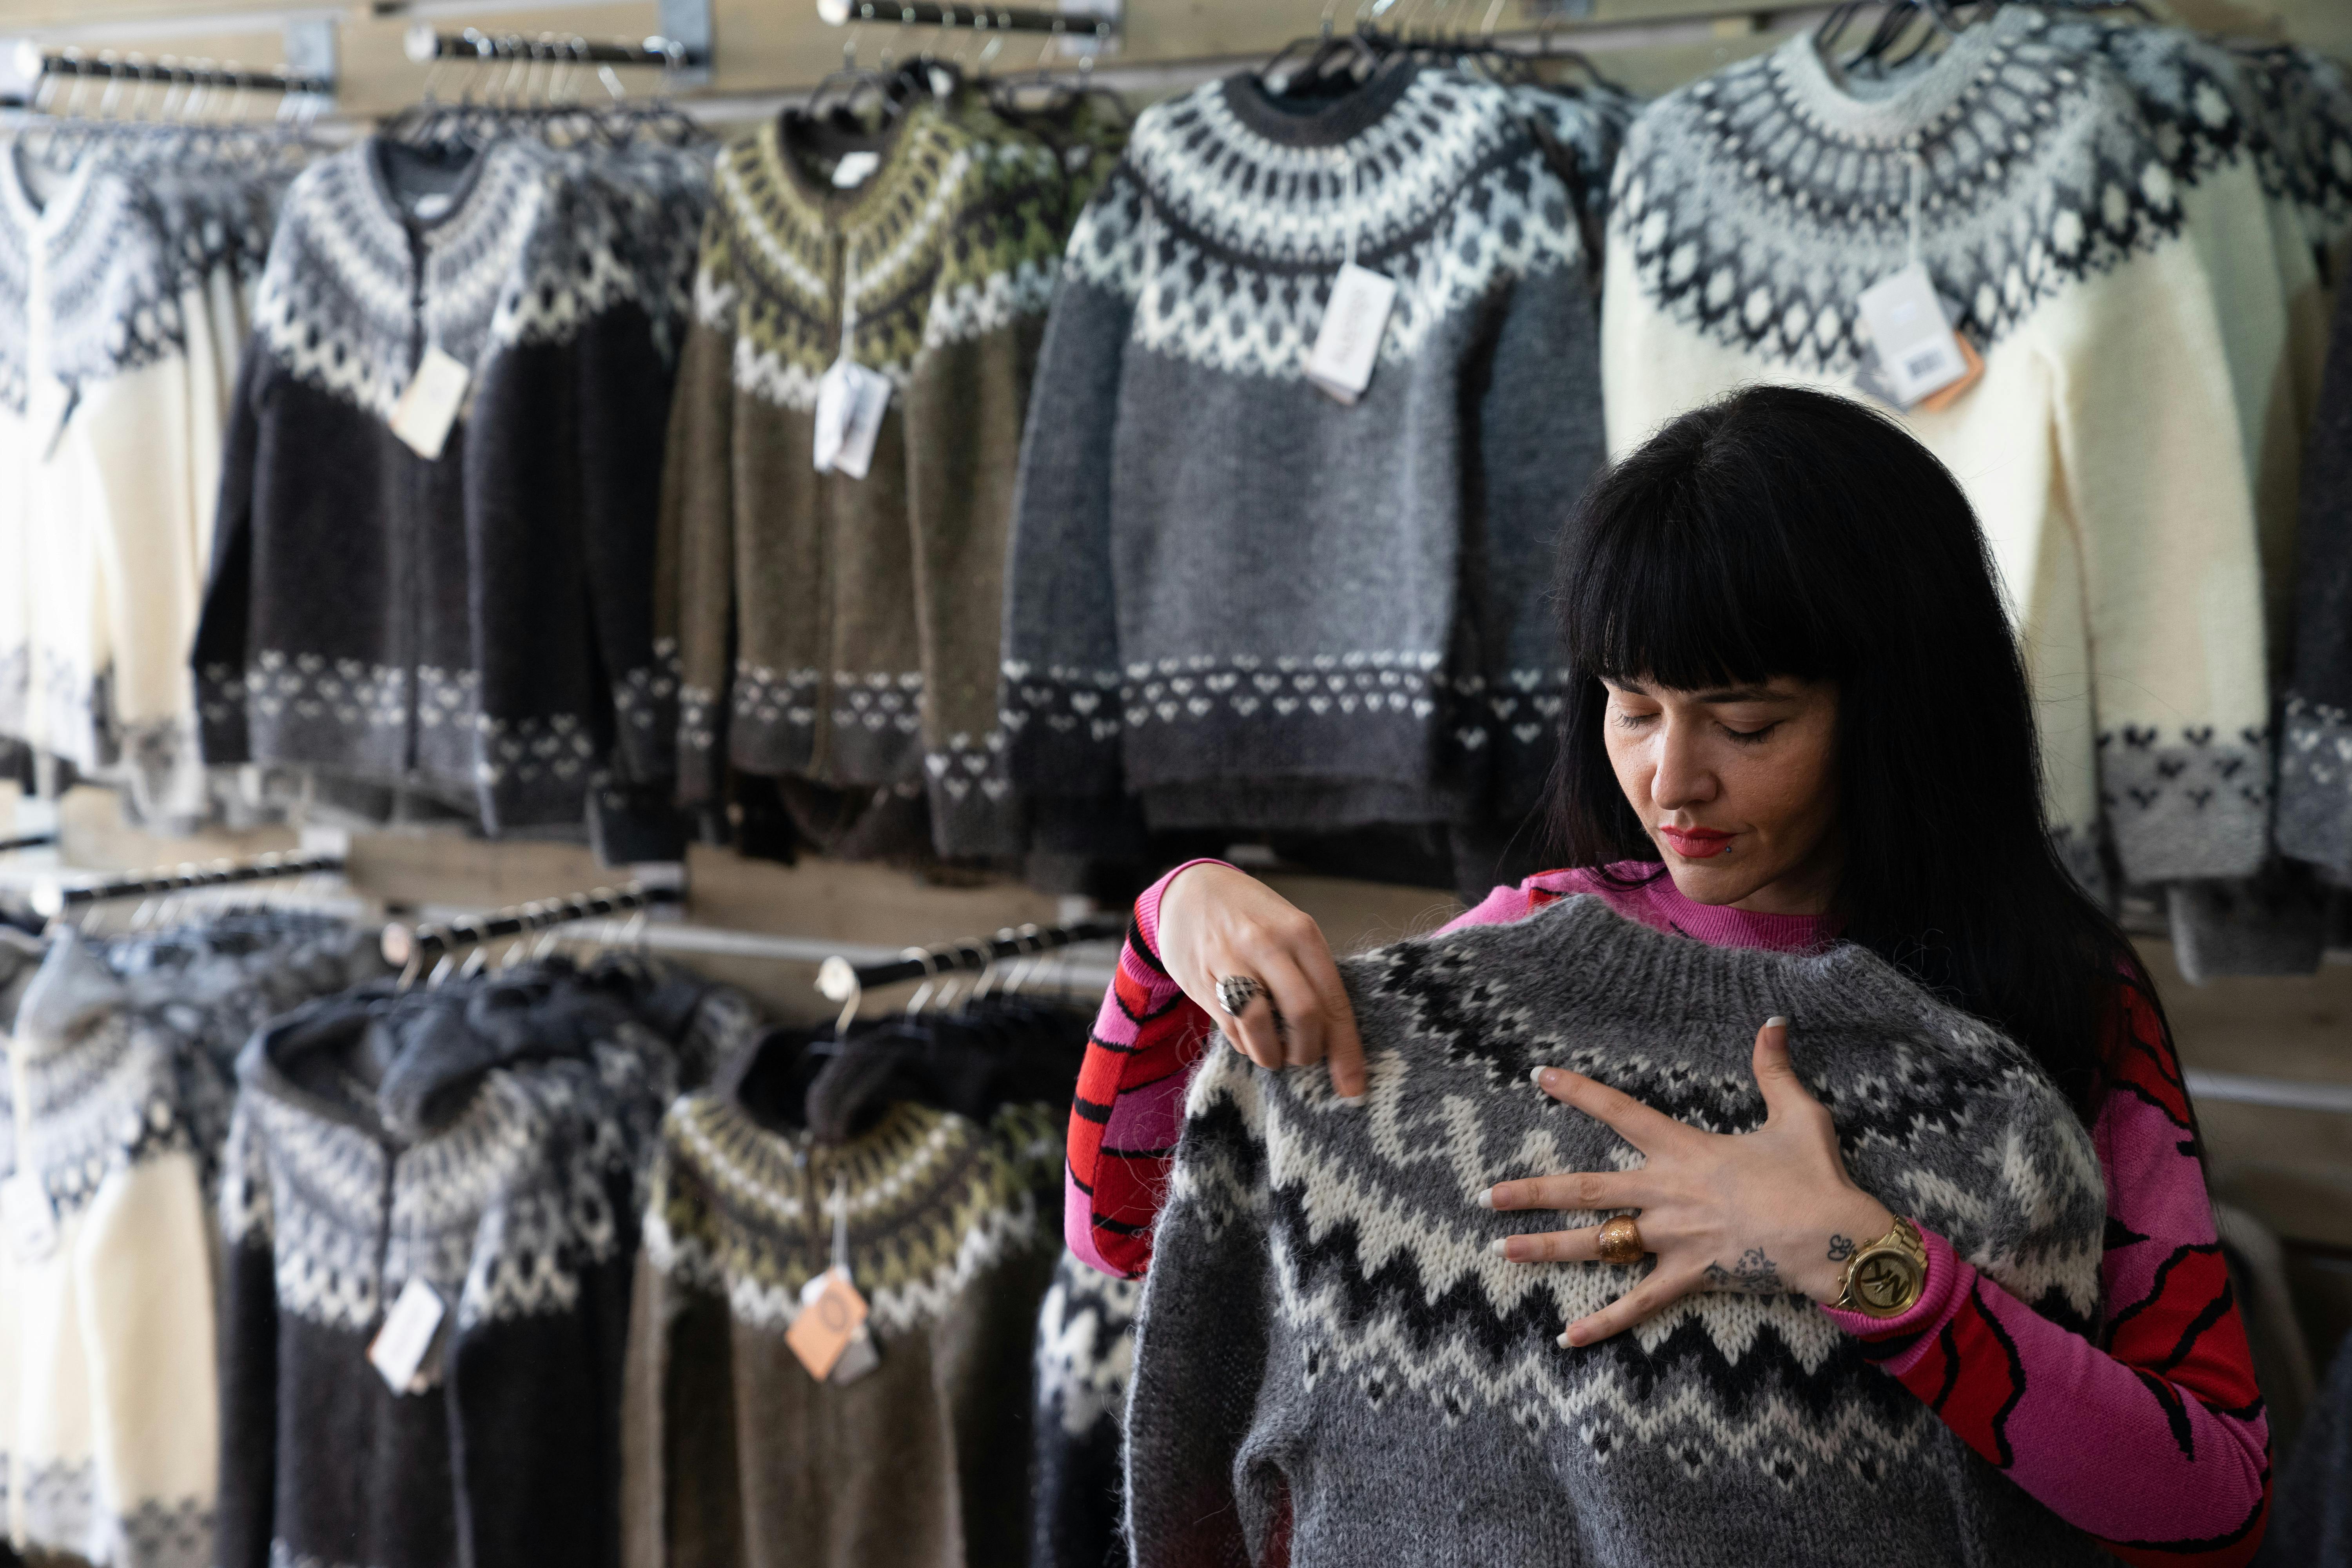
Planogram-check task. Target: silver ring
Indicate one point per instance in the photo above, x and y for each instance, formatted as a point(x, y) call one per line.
point(1236, 992)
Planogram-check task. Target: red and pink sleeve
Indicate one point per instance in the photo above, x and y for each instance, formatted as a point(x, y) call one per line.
point(2151, 1438)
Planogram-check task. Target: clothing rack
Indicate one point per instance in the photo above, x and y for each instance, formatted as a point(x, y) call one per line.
point(422, 44)
point(413, 947)
point(52, 898)
point(33, 63)
point(972, 18)
point(839, 980)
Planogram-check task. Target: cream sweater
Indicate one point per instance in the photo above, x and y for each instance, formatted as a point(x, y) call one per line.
point(2133, 294)
point(109, 1394)
point(111, 306)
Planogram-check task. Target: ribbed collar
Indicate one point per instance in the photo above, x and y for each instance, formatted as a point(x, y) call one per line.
point(1917, 101)
point(1327, 126)
point(26, 212)
point(1661, 906)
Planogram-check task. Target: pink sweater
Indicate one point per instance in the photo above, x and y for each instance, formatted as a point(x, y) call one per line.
point(2150, 1437)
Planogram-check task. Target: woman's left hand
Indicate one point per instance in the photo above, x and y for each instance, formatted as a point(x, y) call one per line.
point(1763, 1212)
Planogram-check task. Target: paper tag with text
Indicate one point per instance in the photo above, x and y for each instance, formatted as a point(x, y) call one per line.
point(1918, 353)
point(858, 1357)
point(428, 405)
point(25, 1212)
point(854, 169)
point(400, 1346)
point(1341, 364)
point(850, 403)
point(831, 1313)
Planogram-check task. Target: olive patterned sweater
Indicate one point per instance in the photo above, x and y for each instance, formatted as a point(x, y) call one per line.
point(838, 628)
point(733, 1455)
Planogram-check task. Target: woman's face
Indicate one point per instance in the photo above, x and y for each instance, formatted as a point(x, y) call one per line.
point(1738, 788)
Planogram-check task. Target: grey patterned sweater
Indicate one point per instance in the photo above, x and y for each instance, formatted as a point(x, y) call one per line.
point(1327, 1346)
point(1238, 599)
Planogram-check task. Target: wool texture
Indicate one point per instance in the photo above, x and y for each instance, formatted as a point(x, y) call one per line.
point(1231, 596)
point(2099, 218)
point(840, 628)
point(1086, 1358)
point(1370, 1373)
point(117, 307)
point(487, 1142)
point(475, 627)
point(2314, 820)
point(109, 1399)
point(735, 1455)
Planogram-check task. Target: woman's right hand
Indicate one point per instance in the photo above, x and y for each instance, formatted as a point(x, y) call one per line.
point(1215, 921)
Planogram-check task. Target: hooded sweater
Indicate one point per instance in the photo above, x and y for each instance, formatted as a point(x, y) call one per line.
point(839, 628)
point(2089, 250)
point(476, 626)
point(737, 1457)
point(109, 1397)
point(1329, 1348)
point(1229, 593)
point(487, 1143)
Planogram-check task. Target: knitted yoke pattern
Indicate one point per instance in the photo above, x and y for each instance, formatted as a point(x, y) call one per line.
point(1086, 1358)
point(1365, 661)
point(121, 1296)
point(2068, 178)
point(946, 1229)
point(517, 1206)
point(864, 614)
point(489, 637)
point(1326, 1336)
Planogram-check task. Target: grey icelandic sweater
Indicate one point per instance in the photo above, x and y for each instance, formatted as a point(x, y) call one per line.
point(1235, 597)
point(1329, 1348)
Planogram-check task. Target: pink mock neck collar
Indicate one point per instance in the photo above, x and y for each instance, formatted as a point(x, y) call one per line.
point(1659, 905)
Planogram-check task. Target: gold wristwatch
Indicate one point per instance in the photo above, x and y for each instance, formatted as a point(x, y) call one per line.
point(1884, 1280)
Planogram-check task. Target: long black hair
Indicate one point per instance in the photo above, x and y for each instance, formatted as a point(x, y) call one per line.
point(1786, 533)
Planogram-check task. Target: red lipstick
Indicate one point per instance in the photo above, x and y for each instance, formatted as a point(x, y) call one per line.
point(1694, 842)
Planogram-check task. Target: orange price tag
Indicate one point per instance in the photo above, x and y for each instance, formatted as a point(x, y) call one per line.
point(831, 1310)
point(1937, 401)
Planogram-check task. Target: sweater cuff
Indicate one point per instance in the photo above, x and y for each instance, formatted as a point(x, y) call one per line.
point(1146, 906)
point(1896, 1343)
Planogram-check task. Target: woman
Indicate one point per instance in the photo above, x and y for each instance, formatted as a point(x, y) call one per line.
point(1798, 716)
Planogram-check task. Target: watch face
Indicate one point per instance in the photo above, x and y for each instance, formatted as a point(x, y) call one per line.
point(1885, 1281)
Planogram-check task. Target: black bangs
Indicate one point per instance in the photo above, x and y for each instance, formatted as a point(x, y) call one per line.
point(1690, 583)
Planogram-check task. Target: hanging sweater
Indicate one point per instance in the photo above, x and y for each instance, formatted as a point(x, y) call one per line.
point(2315, 821)
point(106, 455)
point(2169, 1355)
point(488, 1142)
point(1329, 1349)
point(737, 1457)
point(1085, 1356)
point(1231, 595)
point(840, 628)
point(109, 1395)
point(475, 627)
point(1752, 208)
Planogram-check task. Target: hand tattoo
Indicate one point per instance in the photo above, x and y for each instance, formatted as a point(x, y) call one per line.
point(1841, 1248)
point(1755, 1275)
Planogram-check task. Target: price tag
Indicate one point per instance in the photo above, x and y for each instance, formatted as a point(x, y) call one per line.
point(832, 1311)
point(31, 1223)
point(1340, 363)
point(850, 403)
point(429, 403)
point(1918, 352)
point(400, 1346)
point(854, 169)
point(858, 1357)
point(49, 403)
